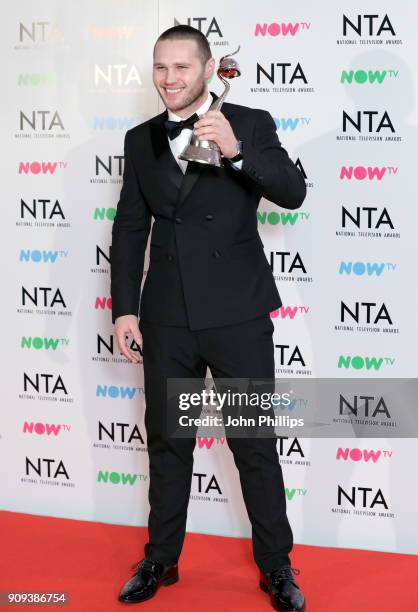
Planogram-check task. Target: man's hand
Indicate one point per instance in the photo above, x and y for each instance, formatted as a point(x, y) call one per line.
point(128, 324)
point(213, 125)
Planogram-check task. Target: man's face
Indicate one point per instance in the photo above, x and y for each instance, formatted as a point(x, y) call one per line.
point(179, 75)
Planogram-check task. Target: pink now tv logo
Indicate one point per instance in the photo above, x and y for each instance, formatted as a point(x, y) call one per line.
point(44, 428)
point(280, 29)
point(203, 442)
point(288, 312)
point(358, 454)
point(360, 173)
point(40, 167)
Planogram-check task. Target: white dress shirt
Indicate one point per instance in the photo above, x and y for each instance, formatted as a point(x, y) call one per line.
point(178, 144)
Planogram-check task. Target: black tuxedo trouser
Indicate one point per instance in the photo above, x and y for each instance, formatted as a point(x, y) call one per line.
point(244, 350)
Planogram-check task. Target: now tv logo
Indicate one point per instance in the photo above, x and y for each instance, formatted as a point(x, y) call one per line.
point(43, 167)
point(115, 392)
point(113, 123)
point(358, 362)
point(358, 454)
point(203, 442)
point(292, 493)
point(274, 218)
point(288, 312)
point(368, 268)
point(281, 29)
point(119, 477)
point(360, 173)
point(35, 79)
point(39, 343)
point(103, 303)
point(44, 428)
point(290, 123)
point(367, 76)
point(104, 214)
point(38, 256)
point(122, 32)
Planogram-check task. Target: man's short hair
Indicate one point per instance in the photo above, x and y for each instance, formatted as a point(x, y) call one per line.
point(182, 32)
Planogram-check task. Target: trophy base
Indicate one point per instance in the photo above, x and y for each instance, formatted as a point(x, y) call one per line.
point(202, 155)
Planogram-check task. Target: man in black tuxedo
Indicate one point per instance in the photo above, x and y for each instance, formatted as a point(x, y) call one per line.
point(206, 298)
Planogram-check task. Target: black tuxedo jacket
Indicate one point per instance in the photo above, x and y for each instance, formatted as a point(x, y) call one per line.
point(207, 263)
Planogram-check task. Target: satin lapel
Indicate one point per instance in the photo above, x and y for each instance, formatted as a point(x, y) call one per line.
point(195, 169)
point(193, 172)
point(168, 166)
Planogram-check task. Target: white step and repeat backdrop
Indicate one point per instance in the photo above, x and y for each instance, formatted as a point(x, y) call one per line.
point(338, 78)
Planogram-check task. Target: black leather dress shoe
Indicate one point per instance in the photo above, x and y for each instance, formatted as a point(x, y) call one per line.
point(285, 594)
point(149, 576)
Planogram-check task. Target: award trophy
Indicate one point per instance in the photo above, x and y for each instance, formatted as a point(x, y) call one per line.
point(207, 151)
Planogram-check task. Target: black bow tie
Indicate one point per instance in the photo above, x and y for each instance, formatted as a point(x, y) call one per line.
point(174, 128)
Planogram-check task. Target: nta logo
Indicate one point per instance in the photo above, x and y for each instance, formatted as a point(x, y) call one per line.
point(370, 25)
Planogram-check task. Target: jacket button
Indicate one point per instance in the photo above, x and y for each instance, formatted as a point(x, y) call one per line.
point(216, 254)
point(170, 257)
point(209, 217)
point(179, 220)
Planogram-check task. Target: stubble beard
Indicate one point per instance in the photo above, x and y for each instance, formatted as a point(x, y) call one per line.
point(190, 98)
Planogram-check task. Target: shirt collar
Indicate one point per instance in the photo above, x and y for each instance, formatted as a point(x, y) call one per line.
point(202, 109)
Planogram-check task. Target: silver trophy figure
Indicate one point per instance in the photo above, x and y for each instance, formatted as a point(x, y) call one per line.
point(207, 151)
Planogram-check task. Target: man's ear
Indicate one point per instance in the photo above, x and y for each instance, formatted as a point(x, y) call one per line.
point(209, 68)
